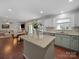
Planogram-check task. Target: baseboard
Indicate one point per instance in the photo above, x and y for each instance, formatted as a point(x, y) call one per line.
point(25, 56)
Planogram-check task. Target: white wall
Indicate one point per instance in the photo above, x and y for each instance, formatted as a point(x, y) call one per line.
point(47, 22)
point(15, 26)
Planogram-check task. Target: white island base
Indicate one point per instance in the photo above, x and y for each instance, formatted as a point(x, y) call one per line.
point(39, 48)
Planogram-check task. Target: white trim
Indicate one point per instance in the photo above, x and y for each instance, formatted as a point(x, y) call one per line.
point(25, 56)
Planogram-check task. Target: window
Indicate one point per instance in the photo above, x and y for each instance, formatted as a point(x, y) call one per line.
point(63, 21)
point(63, 24)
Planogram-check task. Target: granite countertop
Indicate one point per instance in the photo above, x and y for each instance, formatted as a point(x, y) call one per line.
point(65, 32)
point(6, 36)
point(43, 42)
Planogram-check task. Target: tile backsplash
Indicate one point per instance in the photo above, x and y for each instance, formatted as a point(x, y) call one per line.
point(76, 29)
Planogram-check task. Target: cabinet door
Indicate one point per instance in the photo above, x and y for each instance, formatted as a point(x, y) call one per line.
point(76, 19)
point(58, 40)
point(66, 41)
point(75, 43)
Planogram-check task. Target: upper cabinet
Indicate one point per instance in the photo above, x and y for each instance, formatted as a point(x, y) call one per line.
point(76, 19)
point(67, 20)
point(64, 21)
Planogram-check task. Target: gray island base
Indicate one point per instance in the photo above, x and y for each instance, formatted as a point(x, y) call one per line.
point(35, 48)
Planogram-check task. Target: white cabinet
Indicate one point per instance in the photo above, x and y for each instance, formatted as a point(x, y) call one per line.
point(76, 19)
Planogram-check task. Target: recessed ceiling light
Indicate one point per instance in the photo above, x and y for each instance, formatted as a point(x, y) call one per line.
point(9, 10)
point(6, 16)
point(41, 12)
point(62, 16)
point(7, 23)
point(62, 12)
point(70, 0)
point(34, 17)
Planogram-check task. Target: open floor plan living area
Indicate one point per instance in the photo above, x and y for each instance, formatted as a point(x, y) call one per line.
point(39, 29)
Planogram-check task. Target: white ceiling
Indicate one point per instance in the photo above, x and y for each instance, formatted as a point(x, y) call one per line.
point(23, 10)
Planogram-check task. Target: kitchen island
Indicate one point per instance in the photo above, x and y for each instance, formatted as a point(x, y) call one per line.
point(39, 48)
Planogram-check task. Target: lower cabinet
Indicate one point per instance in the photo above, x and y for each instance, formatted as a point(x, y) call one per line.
point(58, 40)
point(74, 43)
point(67, 41)
point(62, 40)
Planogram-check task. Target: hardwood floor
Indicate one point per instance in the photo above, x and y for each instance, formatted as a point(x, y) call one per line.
point(14, 51)
point(62, 53)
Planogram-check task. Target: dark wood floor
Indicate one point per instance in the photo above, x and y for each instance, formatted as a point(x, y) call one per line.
point(11, 51)
point(62, 53)
point(14, 50)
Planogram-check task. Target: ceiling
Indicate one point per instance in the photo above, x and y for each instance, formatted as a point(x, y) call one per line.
point(23, 10)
